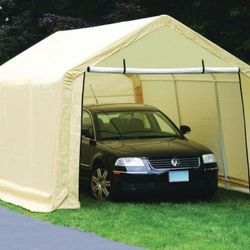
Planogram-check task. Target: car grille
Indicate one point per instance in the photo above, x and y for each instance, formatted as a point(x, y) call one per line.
point(182, 163)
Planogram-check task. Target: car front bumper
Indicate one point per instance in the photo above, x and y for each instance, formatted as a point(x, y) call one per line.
point(159, 180)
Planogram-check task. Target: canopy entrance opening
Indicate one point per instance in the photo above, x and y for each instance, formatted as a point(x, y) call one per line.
point(209, 99)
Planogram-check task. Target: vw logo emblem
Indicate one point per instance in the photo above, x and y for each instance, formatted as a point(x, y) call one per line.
point(175, 162)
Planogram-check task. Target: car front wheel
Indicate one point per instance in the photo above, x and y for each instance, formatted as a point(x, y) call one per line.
point(101, 184)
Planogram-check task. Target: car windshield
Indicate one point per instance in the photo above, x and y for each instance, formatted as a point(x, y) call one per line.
point(134, 124)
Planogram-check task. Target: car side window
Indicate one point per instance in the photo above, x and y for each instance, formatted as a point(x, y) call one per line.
point(87, 125)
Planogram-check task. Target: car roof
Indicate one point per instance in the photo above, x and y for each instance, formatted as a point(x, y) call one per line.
point(118, 106)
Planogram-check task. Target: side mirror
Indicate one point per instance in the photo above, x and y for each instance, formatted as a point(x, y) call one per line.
point(185, 129)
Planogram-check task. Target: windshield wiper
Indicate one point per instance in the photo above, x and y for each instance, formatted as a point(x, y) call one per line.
point(121, 137)
point(150, 134)
point(159, 136)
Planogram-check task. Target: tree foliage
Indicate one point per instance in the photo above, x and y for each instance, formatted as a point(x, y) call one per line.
point(25, 22)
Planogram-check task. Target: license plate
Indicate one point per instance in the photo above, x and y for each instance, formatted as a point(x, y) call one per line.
point(178, 176)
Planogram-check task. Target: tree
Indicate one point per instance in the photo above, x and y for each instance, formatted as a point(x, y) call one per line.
point(23, 24)
point(225, 22)
point(125, 10)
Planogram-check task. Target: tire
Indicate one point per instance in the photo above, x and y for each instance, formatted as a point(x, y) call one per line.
point(101, 184)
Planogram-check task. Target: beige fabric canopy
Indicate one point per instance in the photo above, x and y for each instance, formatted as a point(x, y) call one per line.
point(41, 94)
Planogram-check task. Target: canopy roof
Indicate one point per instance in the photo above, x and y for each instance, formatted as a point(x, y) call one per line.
point(64, 52)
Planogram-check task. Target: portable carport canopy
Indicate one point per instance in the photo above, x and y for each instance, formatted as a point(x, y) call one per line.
point(41, 95)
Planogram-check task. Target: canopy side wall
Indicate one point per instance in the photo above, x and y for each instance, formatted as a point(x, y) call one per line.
point(29, 125)
point(69, 149)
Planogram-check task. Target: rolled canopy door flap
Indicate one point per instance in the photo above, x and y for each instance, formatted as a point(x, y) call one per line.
point(158, 71)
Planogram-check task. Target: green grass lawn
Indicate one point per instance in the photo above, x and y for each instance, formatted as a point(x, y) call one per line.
point(223, 223)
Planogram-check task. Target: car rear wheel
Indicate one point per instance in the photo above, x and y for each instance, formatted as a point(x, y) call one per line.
point(101, 183)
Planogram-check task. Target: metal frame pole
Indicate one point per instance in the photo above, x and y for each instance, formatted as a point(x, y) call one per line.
point(245, 129)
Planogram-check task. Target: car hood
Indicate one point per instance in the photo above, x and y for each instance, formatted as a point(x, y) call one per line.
point(155, 148)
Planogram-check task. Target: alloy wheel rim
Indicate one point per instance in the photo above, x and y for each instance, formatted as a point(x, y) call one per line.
point(100, 184)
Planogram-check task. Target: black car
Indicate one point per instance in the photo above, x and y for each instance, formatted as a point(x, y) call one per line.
point(136, 148)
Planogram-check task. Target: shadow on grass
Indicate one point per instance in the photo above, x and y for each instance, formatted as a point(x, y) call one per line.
point(221, 195)
point(174, 195)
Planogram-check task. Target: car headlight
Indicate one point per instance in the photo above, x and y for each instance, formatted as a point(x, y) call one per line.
point(132, 164)
point(208, 158)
